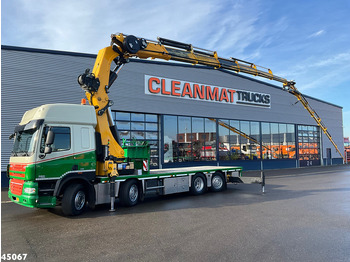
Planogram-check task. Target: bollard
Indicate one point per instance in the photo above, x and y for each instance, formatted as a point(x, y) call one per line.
point(262, 174)
point(112, 193)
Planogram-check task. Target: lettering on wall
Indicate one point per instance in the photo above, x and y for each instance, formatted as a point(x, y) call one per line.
point(160, 86)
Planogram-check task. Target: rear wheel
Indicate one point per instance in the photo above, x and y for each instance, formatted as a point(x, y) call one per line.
point(74, 200)
point(217, 182)
point(199, 184)
point(129, 193)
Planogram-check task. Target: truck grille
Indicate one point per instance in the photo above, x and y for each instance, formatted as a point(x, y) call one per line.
point(16, 186)
point(17, 167)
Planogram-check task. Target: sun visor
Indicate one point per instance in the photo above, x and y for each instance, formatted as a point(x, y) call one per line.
point(34, 124)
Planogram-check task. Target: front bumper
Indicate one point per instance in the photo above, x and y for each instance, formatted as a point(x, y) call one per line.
point(18, 195)
point(24, 200)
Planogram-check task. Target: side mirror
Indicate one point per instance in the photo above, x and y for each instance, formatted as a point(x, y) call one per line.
point(48, 150)
point(49, 141)
point(50, 138)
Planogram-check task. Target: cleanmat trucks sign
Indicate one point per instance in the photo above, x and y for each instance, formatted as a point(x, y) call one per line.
point(160, 86)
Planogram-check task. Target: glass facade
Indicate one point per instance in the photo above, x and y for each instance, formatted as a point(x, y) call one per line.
point(205, 139)
point(193, 139)
point(141, 127)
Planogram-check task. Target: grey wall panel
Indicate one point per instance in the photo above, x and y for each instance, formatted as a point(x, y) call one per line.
point(30, 79)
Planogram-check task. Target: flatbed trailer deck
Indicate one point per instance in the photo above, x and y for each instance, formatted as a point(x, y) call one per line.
point(181, 171)
point(196, 180)
point(189, 170)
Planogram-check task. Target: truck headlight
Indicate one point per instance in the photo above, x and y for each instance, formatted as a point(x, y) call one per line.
point(30, 190)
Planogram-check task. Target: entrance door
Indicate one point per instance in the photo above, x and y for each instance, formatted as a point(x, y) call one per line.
point(329, 156)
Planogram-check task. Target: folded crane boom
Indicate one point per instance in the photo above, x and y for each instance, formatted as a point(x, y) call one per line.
point(125, 46)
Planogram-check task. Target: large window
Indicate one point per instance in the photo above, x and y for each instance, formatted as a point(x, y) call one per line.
point(275, 141)
point(170, 139)
point(235, 140)
point(189, 139)
point(308, 142)
point(196, 139)
point(266, 140)
point(278, 141)
point(224, 140)
point(140, 127)
point(210, 139)
point(255, 134)
point(184, 139)
point(239, 140)
point(290, 137)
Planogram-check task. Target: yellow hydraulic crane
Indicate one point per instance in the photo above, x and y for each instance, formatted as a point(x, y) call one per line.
point(96, 84)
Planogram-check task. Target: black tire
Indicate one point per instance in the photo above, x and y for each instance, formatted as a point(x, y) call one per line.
point(74, 200)
point(198, 185)
point(129, 193)
point(218, 182)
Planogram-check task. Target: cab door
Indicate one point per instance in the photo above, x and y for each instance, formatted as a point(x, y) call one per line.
point(61, 160)
point(84, 145)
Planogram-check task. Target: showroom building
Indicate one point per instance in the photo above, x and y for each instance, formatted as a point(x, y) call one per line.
point(191, 115)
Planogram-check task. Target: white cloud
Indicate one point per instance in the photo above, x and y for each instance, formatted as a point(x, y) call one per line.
point(337, 59)
point(328, 70)
point(85, 26)
point(316, 34)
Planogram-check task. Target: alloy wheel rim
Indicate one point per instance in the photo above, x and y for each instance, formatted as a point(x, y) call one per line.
point(133, 193)
point(199, 184)
point(217, 182)
point(79, 200)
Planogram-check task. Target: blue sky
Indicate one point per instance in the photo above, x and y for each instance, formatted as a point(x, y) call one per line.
point(307, 41)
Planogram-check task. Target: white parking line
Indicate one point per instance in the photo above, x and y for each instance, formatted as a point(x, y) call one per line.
point(6, 202)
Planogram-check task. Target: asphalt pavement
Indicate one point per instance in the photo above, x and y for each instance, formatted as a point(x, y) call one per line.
point(304, 215)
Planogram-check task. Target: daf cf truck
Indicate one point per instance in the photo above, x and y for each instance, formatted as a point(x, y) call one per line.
point(70, 155)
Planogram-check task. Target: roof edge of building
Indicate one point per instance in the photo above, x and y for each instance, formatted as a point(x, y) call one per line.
point(46, 51)
point(69, 53)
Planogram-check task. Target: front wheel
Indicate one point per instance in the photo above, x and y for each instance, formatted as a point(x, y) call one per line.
point(129, 193)
point(74, 200)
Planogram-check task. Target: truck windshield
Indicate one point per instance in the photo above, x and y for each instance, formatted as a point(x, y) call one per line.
point(25, 141)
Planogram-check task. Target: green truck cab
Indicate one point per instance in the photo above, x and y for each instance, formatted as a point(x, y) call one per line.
point(40, 169)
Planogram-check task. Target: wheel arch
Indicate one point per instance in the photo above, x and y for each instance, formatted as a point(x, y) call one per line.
point(138, 182)
point(75, 178)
